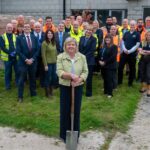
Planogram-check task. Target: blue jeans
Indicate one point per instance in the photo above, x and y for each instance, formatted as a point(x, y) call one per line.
point(51, 76)
point(8, 72)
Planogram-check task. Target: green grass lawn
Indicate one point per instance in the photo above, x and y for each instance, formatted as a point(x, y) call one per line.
point(41, 115)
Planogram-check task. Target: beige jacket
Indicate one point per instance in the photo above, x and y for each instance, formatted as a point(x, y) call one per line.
point(64, 64)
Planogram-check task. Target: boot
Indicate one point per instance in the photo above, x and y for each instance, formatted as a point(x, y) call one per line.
point(50, 90)
point(47, 92)
point(143, 87)
point(148, 91)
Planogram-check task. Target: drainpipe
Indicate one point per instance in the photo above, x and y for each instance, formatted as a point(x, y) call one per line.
point(64, 9)
point(1, 6)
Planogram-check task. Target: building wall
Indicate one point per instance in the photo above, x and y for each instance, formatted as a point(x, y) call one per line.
point(99, 4)
point(42, 8)
point(135, 8)
point(38, 8)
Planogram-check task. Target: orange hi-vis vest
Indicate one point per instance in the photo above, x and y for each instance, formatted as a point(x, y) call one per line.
point(104, 31)
point(142, 35)
point(116, 41)
point(53, 28)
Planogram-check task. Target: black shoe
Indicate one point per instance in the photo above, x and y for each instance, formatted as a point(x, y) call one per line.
point(8, 88)
point(148, 95)
point(142, 91)
point(20, 100)
point(130, 85)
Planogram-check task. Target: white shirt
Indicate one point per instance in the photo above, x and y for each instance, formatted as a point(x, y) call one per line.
point(36, 34)
point(28, 35)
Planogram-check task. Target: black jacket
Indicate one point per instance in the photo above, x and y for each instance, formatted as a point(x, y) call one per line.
point(88, 49)
point(109, 55)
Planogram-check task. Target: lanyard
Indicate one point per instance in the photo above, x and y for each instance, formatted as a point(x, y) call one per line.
point(103, 51)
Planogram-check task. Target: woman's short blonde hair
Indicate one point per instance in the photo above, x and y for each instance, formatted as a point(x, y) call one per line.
point(68, 40)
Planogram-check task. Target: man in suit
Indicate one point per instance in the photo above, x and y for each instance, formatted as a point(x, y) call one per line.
point(40, 36)
point(28, 51)
point(60, 37)
point(87, 46)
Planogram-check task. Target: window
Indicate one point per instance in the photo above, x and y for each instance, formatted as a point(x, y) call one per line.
point(146, 13)
point(101, 15)
point(120, 14)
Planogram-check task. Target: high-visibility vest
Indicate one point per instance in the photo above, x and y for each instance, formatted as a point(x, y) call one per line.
point(96, 52)
point(53, 28)
point(4, 56)
point(116, 41)
point(120, 31)
point(76, 36)
point(143, 35)
point(95, 35)
point(104, 29)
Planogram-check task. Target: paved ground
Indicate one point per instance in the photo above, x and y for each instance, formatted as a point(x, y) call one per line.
point(11, 140)
point(138, 135)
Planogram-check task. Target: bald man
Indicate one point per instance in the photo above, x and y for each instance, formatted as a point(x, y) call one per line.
point(76, 32)
point(8, 55)
point(130, 44)
point(32, 22)
point(40, 36)
point(21, 20)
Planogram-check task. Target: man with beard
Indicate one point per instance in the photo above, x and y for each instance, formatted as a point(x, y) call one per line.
point(141, 29)
point(109, 23)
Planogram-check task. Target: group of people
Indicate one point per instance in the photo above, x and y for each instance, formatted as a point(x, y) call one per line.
point(67, 55)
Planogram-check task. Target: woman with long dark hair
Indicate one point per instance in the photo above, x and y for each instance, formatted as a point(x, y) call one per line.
point(108, 63)
point(49, 54)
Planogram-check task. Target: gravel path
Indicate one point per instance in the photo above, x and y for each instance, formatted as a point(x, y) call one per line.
point(138, 135)
point(11, 140)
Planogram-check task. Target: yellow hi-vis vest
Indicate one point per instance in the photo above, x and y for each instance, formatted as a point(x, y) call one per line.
point(76, 36)
point(96, 52)
point(4, 56)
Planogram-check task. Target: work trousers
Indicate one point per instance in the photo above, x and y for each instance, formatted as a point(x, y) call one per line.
point(131, 60)
point(145, 69)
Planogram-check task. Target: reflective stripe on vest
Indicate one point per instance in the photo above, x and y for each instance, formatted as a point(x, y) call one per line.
point(4, 56)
